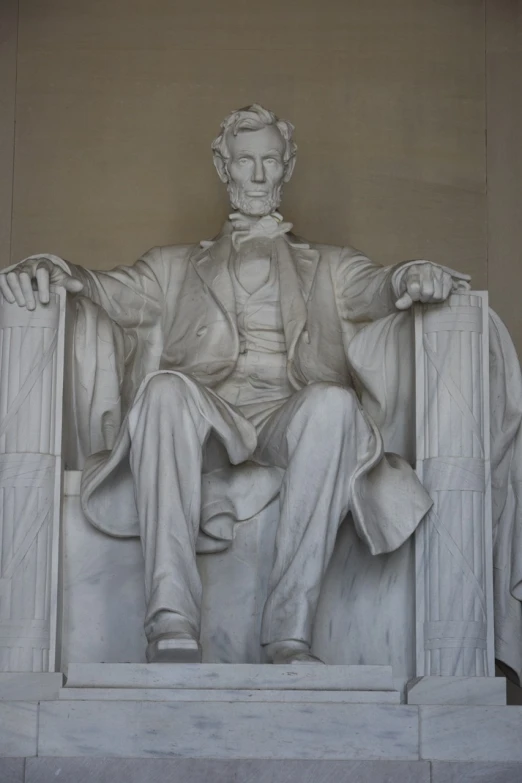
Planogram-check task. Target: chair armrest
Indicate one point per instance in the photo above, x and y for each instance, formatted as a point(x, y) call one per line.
point(31, 394)
point(454, 561)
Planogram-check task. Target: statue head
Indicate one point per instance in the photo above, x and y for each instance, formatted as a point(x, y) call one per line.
point(254, 156)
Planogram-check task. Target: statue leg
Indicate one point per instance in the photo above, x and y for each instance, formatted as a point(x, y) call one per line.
point(168, 434)
point(317, 436)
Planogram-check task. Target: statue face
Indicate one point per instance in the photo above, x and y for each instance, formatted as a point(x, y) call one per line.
point(256, 170)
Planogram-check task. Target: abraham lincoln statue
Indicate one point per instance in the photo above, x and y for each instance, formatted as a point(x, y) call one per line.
point(233, 352)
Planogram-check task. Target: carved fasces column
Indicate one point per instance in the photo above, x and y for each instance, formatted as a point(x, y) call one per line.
point(31, 386)
point(454, 586)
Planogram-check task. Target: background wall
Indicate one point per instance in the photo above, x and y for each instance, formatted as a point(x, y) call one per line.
point(116, 102)
point(504, 160)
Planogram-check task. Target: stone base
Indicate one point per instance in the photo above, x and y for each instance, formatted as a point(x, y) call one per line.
point(229, 695)
point(83, 735)
point(72, 770)
point(457, 690)
point(301, 683)
point(242, 676)
point(233, 730)
point(315, 718)
point(30, 686)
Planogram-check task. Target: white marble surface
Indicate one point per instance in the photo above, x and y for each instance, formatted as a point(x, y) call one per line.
point(226, 694)
point(30, 686)
point(457, 690)
point(359, 586)
point(224, 730)
point(454, 546)
point(471, 733)
point(12, 770)
point(104, 598)
point(472, 772)
point(31, 361)
point(104, 601)
point(239, 676)
point(18, 728)
point(476, 740)
point(74, 770)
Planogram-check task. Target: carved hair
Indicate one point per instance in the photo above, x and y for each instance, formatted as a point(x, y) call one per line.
point(252, 118)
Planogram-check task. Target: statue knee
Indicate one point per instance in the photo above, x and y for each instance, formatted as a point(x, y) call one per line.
point(331, 403)
point(167, 388)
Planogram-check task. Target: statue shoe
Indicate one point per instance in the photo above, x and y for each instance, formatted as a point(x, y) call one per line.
point(175, 647)
point(290, 652)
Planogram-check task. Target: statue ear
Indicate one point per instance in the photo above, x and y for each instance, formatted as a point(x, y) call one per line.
point(289, 169)
point(221, 168)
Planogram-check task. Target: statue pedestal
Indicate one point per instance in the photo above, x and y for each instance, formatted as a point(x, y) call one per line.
point(30, 686)
point(265, 728)
point(226, 683)
point(456, 690)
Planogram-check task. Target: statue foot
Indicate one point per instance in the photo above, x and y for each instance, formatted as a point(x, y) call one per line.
point(176, 647)
point(297, 657)
point(290, 652)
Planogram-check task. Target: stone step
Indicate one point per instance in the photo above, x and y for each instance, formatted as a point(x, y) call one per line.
point(229, 695)
point(243, 676)
point(226, 730)
point(30, 686)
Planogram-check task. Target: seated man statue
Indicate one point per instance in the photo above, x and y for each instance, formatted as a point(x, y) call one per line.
point(238, 350)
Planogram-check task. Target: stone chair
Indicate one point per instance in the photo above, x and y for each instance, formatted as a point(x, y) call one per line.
point(70, 594)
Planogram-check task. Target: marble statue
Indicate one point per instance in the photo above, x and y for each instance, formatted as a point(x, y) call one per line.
point(200, 361)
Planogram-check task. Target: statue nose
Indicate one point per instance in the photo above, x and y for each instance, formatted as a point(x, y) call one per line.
point(259, 173)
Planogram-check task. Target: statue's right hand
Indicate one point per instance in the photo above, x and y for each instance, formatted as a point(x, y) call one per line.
point(36, 273)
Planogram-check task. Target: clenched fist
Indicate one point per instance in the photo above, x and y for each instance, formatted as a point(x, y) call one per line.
point(427, 282)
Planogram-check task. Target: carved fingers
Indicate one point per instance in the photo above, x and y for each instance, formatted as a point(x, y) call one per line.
point(42, 282)
point(427, 282)
point(35, 274)
point(15, 288)
point(19, 284)
point(27, 290)
point(5, 289)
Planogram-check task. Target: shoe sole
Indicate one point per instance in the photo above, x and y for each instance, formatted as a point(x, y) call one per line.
point(174, 651)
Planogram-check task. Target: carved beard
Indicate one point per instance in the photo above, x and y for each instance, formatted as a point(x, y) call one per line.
point(255, 207)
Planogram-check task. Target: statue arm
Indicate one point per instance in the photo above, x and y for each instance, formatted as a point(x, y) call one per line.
point(131, 295)
point(367, 291)
point(364, 290)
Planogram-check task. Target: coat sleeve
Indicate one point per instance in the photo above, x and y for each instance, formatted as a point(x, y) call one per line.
point(365, 291)
point(132, 296)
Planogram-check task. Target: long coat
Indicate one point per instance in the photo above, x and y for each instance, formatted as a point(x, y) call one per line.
point(177, 308)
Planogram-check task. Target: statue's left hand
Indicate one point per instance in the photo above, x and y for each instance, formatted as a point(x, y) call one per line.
point(427, 282)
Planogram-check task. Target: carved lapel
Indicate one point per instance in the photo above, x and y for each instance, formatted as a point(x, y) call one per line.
point(211, 264)
point(306, 260)
point(297, 268)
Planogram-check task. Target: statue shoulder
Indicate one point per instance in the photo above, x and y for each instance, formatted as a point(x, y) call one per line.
point(337, 255)
point(166, 264)
point(167, 255)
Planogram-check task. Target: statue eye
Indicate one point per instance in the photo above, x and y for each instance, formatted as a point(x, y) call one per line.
point(270, 160)
point(243, 161)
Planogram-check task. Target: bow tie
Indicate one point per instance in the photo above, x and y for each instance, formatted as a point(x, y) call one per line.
point(268, 227)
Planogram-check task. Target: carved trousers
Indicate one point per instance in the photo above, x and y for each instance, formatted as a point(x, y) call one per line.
point(318, 436)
